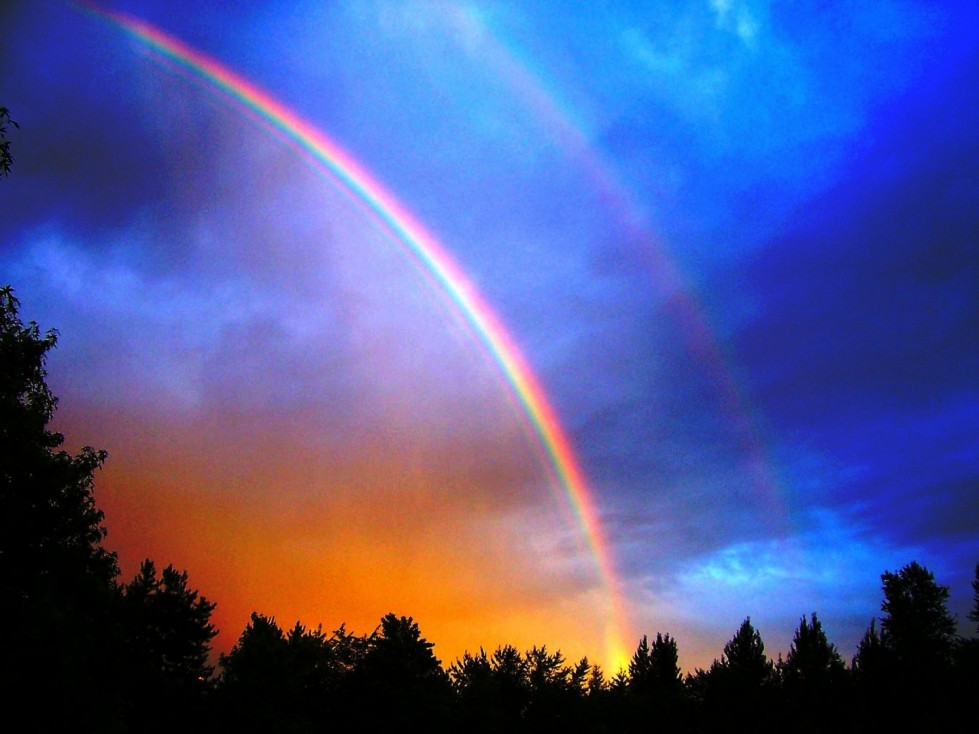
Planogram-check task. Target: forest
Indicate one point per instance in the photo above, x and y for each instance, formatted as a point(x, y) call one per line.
point(87, 651)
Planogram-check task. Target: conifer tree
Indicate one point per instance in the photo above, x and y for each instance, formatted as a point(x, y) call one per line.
point(917, 625)
point(814, 677)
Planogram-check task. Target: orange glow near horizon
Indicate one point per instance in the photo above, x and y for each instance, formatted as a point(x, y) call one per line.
point(458, 563)
point(266, 525)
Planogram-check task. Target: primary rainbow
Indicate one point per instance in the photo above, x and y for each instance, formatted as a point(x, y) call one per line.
point(432, 257)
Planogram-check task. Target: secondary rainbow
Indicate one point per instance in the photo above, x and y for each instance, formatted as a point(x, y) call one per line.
point(426, 251)
point(562, 126)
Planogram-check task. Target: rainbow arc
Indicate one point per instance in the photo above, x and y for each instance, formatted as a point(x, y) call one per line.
point(431, 256)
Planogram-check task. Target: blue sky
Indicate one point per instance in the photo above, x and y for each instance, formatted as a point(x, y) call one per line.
point(736, 241)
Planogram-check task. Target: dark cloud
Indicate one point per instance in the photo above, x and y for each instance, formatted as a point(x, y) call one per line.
point(870, 302)
point(76, 157)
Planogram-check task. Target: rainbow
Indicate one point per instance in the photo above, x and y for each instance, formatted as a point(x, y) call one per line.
point(353, 179)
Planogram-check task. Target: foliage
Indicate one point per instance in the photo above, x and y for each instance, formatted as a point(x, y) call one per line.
point(5, 156)
point(736, 690)
point(813, 676)
point(398, 683)
point(744, 657)
point(640, 666)
point(974, 613)
point(50, 530)
point(654, 669)
point(655, 685)
point(167, 634)
point(170, 625)
point(57, 581)
point(910, 659)
point(917, 625)
point(284, 681)
point(813, 661)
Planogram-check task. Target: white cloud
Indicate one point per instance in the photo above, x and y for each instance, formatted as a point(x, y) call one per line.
point(736, 17)
point(830, 566)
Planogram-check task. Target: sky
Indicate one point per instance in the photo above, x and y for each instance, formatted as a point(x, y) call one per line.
point(732, 243)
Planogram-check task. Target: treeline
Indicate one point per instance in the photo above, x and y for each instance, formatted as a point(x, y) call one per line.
point(912, 673)
point(83, 651)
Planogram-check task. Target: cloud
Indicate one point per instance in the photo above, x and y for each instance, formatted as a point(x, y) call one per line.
point(737, 17)
point(830, 565)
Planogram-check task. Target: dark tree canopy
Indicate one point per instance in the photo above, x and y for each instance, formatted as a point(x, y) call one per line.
point(744, 657)
point(167, 635)
point(813, 661)
point(974, 613)
point(655, 686)
point(813, 677)
point(276, 681)
point(50, 529)
point(917, 625)
point(640, 666)
point(112, 653)
point(57, 582)
point(399, 682)
point(871, 654)
point(170, 624)
point(655, 669)
point(735, 691)
point(665, 659)
point(905, 668)
point(257, 661)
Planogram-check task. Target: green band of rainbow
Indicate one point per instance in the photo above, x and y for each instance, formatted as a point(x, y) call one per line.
point(343, 169)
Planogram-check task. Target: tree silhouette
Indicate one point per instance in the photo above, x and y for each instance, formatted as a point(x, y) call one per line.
point(813, 662)
point(873, 672)
point(814, 678)
point(399, 682)
point(640, 668)
point(257, 664)
point(171, 623)
point(737, 690)
point(917, 625)
point(57, 582)
point(284, 681)
point(903, 673)
point(655, 684)
point(168, 636)
point(5, 157)
point(136, 657)
point(744, 658)
point(872, 657)
point(510, 674)
point(479, 694)
point(596, 685)
point(552, 687)
point(966, 667)
point(974, 613)
point(50, 528)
